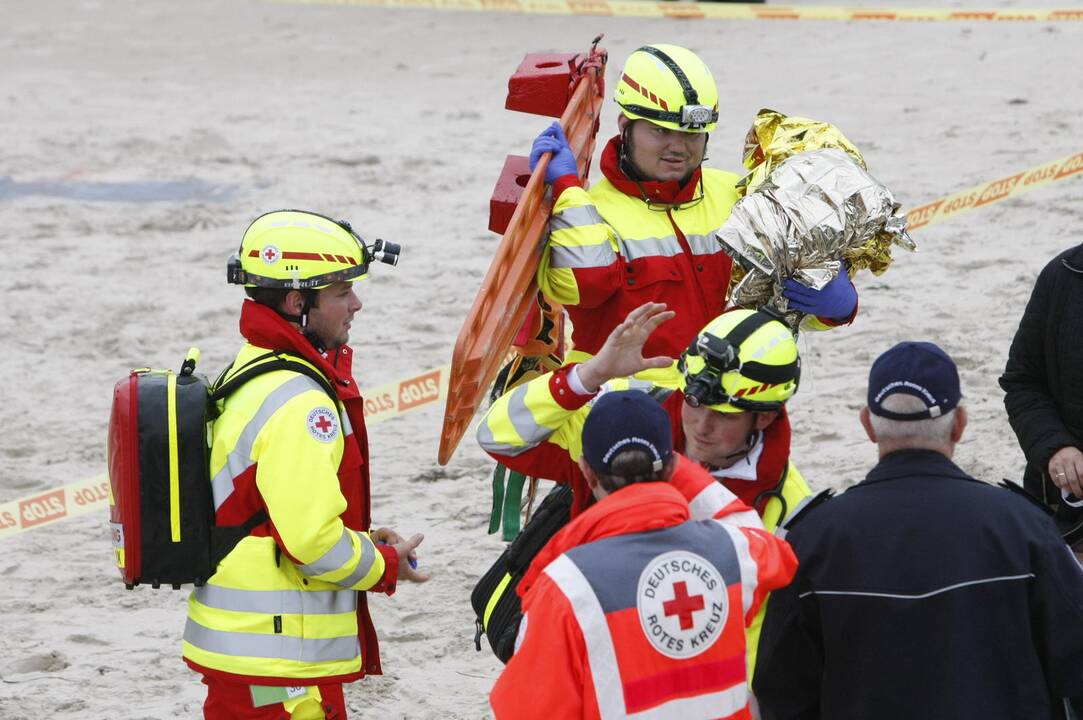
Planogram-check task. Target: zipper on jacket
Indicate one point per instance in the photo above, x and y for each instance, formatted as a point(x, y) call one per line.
point(691, 262)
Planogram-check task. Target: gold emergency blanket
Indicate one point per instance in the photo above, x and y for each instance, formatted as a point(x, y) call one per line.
point(809, 206)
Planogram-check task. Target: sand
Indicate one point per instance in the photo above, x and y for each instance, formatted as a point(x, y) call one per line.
point(394, 119)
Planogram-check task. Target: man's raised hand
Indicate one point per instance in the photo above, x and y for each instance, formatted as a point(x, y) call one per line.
point(622, 353)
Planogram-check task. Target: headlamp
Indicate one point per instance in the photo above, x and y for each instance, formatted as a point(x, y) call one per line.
point(697, 117)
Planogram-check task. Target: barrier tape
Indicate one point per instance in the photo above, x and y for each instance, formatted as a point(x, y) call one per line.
point(993, 192)
point(718, 11)
point(402, 396)
point(381, 403)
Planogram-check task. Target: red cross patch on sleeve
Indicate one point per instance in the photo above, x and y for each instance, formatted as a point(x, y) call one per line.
point(323, 424)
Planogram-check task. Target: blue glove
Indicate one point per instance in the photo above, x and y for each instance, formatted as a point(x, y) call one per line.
point(552, 140)
point(836, 301)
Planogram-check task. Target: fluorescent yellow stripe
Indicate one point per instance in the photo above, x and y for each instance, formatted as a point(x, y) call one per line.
point(174, 464)
point(494, 598)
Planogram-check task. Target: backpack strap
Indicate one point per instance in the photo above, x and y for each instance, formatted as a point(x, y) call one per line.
point(268, 362)
point(225, 537)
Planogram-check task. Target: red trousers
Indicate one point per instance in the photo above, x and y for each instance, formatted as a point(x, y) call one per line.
point(233, 701)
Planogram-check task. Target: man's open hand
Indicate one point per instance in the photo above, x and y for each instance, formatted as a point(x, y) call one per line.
point(622, 353)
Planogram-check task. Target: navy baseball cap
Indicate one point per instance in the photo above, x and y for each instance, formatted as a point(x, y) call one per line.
point(626, 419)
point(920, 369)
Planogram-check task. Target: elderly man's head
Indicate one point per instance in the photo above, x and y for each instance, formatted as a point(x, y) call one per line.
point(914, 400)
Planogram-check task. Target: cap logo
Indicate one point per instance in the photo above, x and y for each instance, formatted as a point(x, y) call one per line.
point(633, 441)
point(682, 604)
point(906, 384)
point(270, 254)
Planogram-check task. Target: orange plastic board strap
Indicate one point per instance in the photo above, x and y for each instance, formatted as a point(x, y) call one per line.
point(508, 291)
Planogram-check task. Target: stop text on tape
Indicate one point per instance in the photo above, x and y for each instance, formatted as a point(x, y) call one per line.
point(994, 191)
point(721, 11)
point(381, 403)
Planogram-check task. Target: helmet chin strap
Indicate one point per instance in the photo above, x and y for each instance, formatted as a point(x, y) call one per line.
point(308, 300)
point(734, 456)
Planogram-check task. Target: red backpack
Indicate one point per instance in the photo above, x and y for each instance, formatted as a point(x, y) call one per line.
point(161, 506)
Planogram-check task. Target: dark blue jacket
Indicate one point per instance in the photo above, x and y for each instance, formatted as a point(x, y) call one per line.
point(923, 593)
point(1043, 379)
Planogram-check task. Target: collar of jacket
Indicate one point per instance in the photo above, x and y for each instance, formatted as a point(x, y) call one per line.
point(637, 508)
point(773, 460)
point(914, 463)
point(1073, 260)
point(263, 327)
point(669, 192)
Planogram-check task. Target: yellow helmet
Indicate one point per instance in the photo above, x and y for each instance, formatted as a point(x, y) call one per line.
point(300, 250)
point(744, 360)
point(669, 86)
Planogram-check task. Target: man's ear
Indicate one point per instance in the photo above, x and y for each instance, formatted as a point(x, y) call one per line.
point(588, 473)
point(958, 424)
point(293, 303)
point(622, 122)
point(867, 424)
point(763, 419)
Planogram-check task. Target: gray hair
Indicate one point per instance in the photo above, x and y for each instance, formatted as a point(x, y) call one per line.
point(928, 433)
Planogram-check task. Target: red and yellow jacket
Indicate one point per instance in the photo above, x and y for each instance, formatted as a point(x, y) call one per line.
point(283, 607)
point(659, 633)
point(610, 251)
point(536, 429)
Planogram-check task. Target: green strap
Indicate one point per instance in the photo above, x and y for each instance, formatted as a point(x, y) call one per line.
point(498, 497)
point(513, 503)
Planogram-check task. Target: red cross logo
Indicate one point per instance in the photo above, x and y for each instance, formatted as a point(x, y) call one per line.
point(270, 254)
point(323, 424)
point(683, 605)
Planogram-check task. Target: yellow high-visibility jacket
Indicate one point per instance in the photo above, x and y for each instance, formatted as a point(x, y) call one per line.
point(283, 605)
point(610, 251)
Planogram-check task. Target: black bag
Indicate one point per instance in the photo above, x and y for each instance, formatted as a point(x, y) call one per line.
point(494, 598)
point(161, 507)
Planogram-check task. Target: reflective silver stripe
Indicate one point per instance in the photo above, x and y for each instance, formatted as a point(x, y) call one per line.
point(703, 244)
point(277, 602)
point(575, 217)
point(339, 554)
point(750, 576)
point(601, 654)
point(364, 565)
point(921, 596)
point(240, 458)
point(523, 420)
point(488, 442)
point(652, 247)
point(282, 647)
point(584, 256)
point(347, 428)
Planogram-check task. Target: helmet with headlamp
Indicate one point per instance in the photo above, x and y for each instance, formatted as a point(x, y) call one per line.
point(668, 86)
point(742, 361)
point(300, 250)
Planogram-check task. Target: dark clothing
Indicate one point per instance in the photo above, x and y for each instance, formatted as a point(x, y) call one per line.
point(923, 593)
point(1043, 380)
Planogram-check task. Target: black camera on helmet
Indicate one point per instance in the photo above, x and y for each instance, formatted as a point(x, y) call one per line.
point(719, 356)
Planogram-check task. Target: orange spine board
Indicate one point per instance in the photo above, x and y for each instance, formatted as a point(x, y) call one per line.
point(508, 291)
